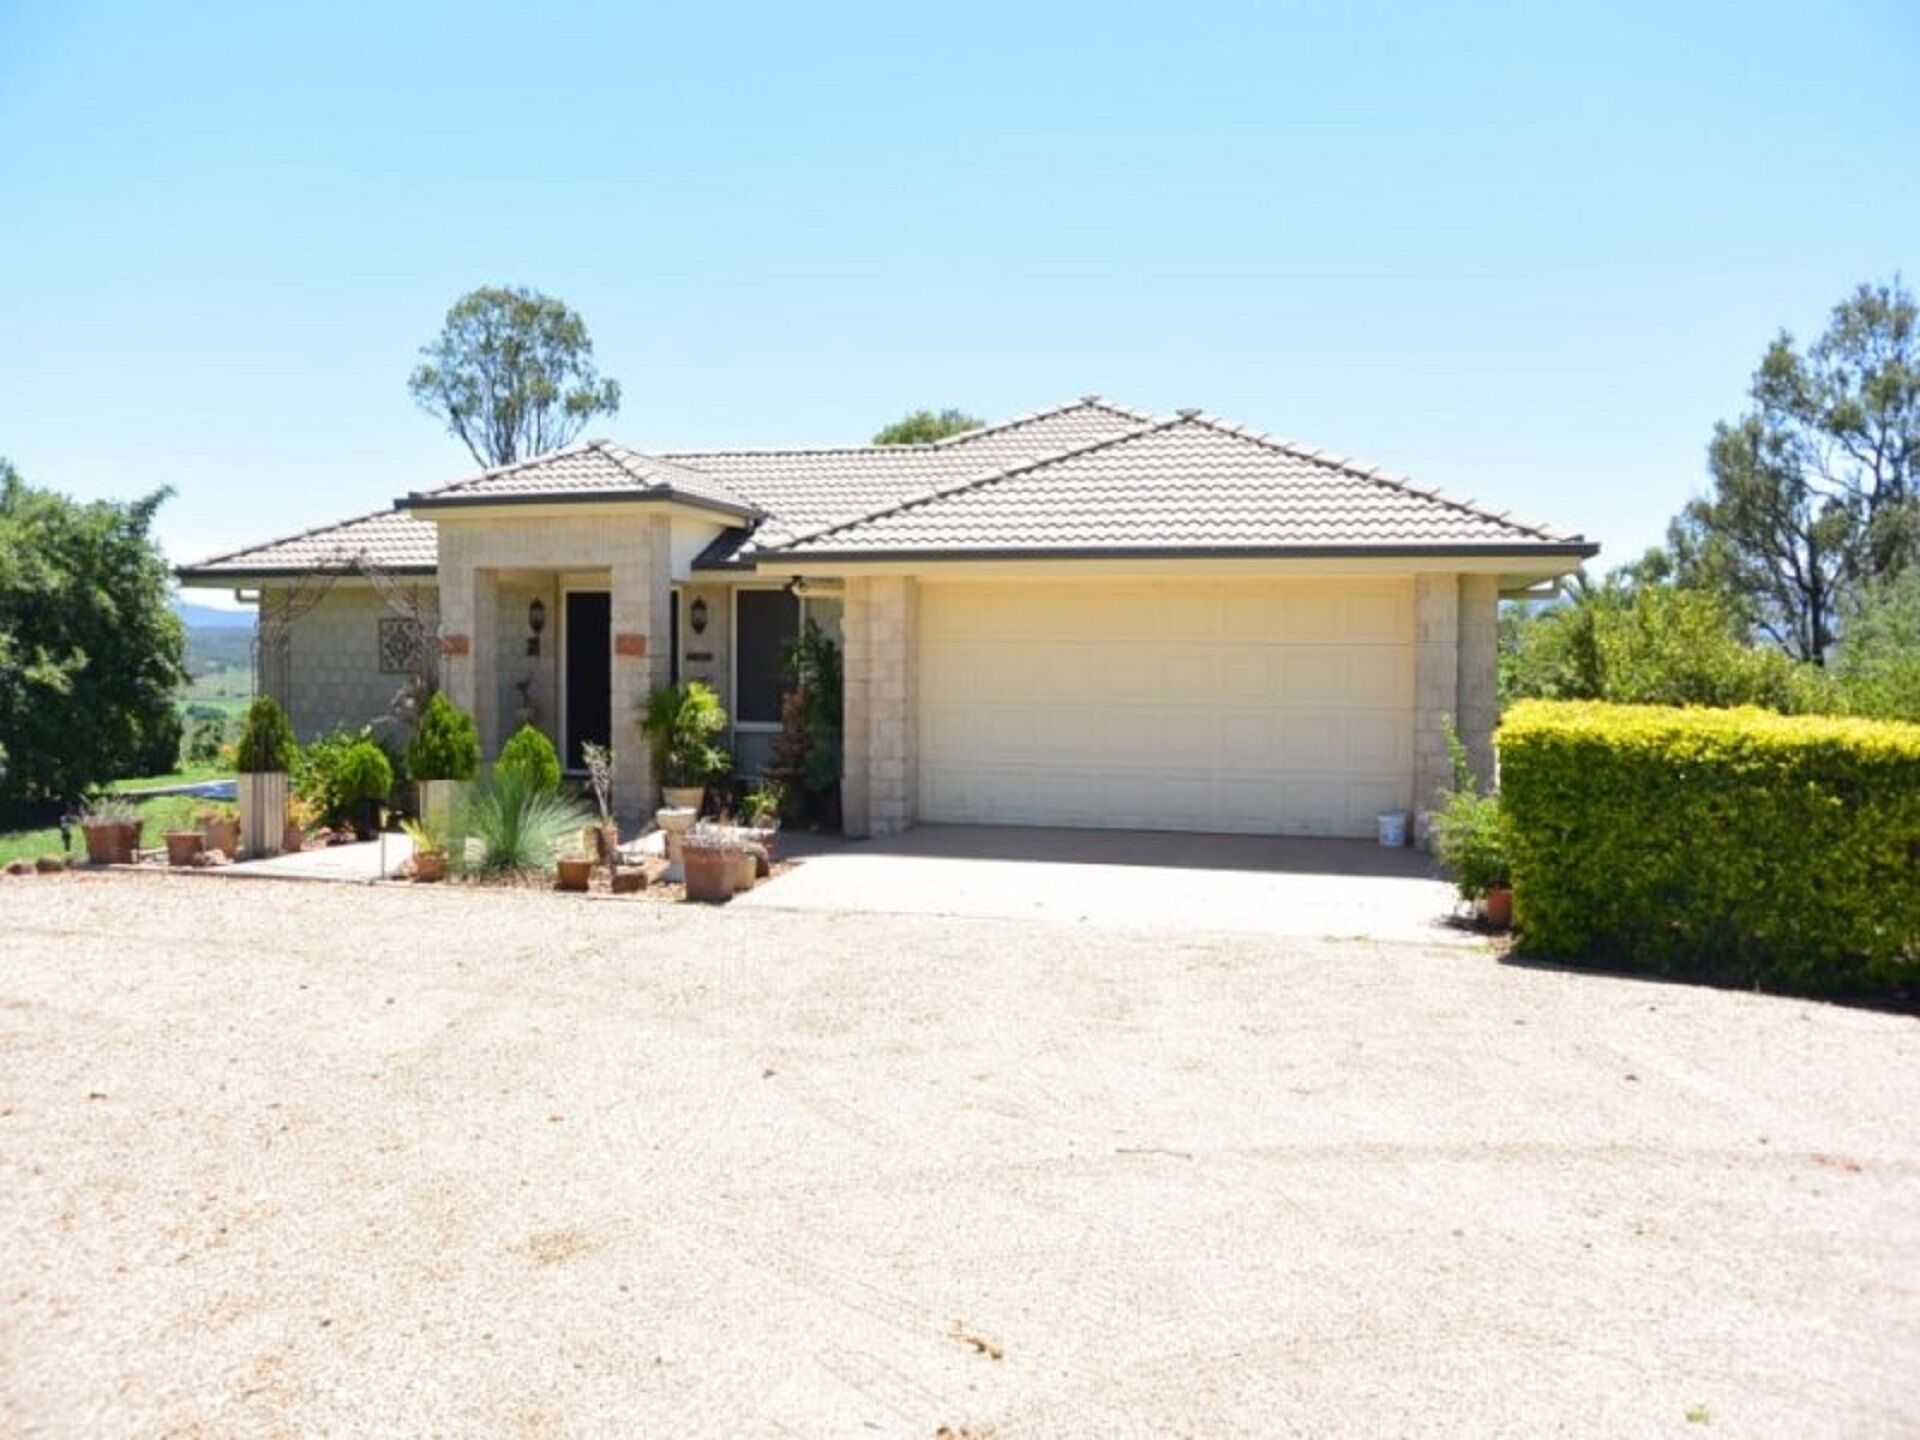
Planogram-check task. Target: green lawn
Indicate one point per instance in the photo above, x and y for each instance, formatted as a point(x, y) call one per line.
point(168, 812)
point(159, 813)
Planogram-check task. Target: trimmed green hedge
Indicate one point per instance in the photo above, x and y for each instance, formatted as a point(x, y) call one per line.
point(1735, 845)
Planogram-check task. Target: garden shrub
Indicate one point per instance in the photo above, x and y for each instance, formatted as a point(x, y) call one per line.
point(531, 753)
point(446, 743)
point(329, 773)
point(266, 743)
point(365, 773)
point(1736, 845)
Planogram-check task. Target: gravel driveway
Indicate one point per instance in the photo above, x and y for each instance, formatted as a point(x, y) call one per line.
point(286, 1159)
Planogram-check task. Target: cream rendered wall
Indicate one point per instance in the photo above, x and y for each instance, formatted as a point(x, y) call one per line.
point(708, 657)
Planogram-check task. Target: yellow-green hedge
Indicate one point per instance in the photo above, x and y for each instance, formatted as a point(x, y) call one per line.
point(1733, 844)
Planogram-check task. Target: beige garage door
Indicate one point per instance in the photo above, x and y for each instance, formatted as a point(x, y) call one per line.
point(1273, 707)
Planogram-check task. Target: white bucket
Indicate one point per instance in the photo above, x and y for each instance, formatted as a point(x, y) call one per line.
point(1393, 829)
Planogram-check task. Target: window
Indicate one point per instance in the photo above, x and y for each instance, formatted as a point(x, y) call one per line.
point(765, 623)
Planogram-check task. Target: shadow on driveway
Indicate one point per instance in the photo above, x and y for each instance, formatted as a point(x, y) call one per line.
point(1124, 879)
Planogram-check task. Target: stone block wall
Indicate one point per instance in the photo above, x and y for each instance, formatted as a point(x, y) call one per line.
point(331, 677)
point(1477, 688)
point(880, 790)
point(1436, 683)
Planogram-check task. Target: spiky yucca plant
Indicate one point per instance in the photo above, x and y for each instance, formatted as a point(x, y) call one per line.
point(520, 824)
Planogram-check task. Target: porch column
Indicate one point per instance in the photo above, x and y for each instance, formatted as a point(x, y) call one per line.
point(1478, 685)
point(880, 781)
point(642, 584)
point(1436, 683)
point(470, 646)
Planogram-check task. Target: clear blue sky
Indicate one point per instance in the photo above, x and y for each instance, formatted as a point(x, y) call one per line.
point(1527, 252)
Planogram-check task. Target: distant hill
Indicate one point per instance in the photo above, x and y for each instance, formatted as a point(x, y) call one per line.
point(217, 640)
point(206, 617)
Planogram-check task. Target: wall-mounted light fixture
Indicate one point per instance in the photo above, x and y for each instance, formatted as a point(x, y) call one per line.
point(697, 614)
point(536, 622)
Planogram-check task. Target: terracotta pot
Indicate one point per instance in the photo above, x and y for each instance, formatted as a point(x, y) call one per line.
point(183, 846)
point(710, 873)
point(1497, 905)
point(574, 872)
point(746, 870)
point(293, 839)
point(222, 834)
point(107, 842)
point(429, 868)
point(629, 879)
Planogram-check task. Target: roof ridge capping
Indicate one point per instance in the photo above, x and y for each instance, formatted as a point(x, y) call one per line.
point(924, 447)
point(1379, 475)
point(570, 448)
point(978, 479)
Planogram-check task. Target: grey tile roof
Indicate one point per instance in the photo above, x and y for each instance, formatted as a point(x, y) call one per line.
point(386, 539)
point(1189, 484)
point(1087, 477)
point(801, 490)
point(583, 471)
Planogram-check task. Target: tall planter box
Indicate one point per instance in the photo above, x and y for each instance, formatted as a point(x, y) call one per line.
point(437, 802)
point(263, 812)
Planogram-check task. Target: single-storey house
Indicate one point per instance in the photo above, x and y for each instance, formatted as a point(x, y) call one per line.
point(1085, 617)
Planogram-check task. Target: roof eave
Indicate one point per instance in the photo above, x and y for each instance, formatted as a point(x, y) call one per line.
point(228, 579)
point(1544, 550)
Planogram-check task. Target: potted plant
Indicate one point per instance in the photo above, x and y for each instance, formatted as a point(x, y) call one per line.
point(761, 811)
point(112, 830)
point(711, 855)
point(221, 828)
point(429, 851)
point(683, 725)
point(364, 778)
point(1470, 837)
point(442, 757)
point(604, 837)
point(264, 756)
point(300, 818)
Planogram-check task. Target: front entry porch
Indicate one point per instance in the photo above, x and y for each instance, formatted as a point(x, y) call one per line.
point(565, 625)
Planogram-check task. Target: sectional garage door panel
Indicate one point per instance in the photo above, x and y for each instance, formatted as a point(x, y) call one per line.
point(1259, 706)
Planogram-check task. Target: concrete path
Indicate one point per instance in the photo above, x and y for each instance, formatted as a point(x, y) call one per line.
point(360, 863)
point(1124, 880)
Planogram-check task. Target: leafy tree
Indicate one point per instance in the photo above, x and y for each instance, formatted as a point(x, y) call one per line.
point(90, 652)
point(923, 427)
point(1649, 644)
point(512, 375)
point(1879, 661)
point(1816, 491)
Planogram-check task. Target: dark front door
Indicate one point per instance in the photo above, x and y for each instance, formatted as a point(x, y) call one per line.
point(589, 679)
